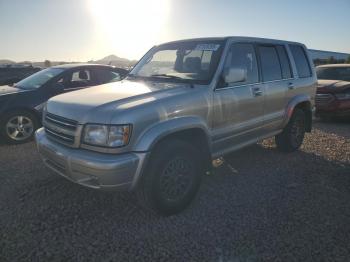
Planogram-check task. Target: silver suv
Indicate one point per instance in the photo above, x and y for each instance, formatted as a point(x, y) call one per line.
point(184, 104)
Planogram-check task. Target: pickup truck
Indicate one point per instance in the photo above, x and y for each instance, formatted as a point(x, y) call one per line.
point(184, 104)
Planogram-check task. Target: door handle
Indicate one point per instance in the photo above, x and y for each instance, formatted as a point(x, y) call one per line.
point(257, 91)
point(291, 86)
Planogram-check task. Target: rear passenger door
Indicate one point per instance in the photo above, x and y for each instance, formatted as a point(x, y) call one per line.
point(277, 77)
point(303, 82)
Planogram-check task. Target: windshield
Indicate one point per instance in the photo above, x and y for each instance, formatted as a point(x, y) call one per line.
point(187, 61)
point(333, 73)
point(38, 79)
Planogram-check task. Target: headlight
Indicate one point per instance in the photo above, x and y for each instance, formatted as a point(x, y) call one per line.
point(107, 135)
point(343, 96)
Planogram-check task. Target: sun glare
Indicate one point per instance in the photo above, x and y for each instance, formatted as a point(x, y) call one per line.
point(129, 27)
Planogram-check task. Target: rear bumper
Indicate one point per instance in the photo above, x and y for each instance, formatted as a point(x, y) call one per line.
point(90, 169)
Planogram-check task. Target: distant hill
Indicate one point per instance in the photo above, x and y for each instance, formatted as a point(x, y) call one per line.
point(114, 58)
point(6, 61)
point(108, 60)
point(116, 61)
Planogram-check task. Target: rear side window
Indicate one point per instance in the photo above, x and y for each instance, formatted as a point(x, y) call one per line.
point(301, 61)
point(284, 60)
point(270, 64)
point(106, 76)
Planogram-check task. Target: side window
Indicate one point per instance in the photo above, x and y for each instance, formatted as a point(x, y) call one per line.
point(81, 75)
point(78, 78)
point(270, 64)
point(241, 60)
point(301, 61)
point(106, 76)
point(285, 63)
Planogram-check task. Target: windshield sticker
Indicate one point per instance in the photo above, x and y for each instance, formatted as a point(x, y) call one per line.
point(207, 47)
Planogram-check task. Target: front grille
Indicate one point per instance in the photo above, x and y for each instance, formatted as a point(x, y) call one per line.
point(61, 129)
point(323, 99)
point(60, 121)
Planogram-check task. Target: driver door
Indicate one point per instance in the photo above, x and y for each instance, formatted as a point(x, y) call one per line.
point(238, 106)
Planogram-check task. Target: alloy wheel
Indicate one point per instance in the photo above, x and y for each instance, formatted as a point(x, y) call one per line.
point(19, 128)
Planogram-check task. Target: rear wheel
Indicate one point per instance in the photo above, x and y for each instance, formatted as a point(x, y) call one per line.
point(171, 178)
point(18, 127)
point(293, 134)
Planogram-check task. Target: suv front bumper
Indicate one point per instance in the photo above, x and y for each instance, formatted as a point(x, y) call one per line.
point(91, 169)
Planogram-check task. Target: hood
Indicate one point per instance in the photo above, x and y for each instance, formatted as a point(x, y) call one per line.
point(98, 104)
point(6, 90)
point(332, 86)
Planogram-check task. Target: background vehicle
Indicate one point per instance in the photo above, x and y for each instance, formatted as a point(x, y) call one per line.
point(22, 103)
point(11, 74)
point(184, 104)
point(333, 91)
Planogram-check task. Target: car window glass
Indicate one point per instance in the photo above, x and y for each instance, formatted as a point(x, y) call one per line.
point(284, 60)
point(301, 61)
point(81, 75)
point(106, 76)
point(242, 57)
point(270, 65)
point(78, 78)
point(188, 62)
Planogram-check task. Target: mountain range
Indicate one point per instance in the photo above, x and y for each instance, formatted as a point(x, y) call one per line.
point(109, 60)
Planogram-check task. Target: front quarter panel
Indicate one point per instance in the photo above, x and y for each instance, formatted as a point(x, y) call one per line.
point(152, 120)
point(155, 133)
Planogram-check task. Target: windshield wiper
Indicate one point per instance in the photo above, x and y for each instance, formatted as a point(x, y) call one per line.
point(167, 76)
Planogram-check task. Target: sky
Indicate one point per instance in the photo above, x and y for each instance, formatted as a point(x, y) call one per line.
point(82, 30)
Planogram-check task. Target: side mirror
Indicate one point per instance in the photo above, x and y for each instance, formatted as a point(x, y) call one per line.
point(235, 75)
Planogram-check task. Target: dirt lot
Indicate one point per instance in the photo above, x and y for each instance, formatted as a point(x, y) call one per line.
point(261, 205)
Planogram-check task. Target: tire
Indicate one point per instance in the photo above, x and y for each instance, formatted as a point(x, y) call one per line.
point(293, 134)
point(171, 179)
point(18, 127)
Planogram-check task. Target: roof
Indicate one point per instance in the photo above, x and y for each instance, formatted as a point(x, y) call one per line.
point(73, 65)
point(237, 38)
point(335, 65)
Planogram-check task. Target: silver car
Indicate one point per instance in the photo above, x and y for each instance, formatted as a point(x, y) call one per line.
point(185, 103)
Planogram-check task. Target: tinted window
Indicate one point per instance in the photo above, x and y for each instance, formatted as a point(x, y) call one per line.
point(81, 75)
point(301, 61)
point(284, 60)
point(106, 76)
point(270, 65)
point(78, 78)
point(242, 57)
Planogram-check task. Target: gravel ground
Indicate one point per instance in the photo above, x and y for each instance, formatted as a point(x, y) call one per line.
point(261, 205)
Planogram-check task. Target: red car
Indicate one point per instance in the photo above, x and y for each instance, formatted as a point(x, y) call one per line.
point(333, 91)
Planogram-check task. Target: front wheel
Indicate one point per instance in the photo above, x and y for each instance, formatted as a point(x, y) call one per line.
point(293, 134)
point(18, 127)
point(172, 177)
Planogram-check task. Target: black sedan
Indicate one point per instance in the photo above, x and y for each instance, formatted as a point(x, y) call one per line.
point(22, 103)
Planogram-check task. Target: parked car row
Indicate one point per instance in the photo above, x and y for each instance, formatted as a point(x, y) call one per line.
point(183, 104)
point(21, 104)
point(11, 74)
